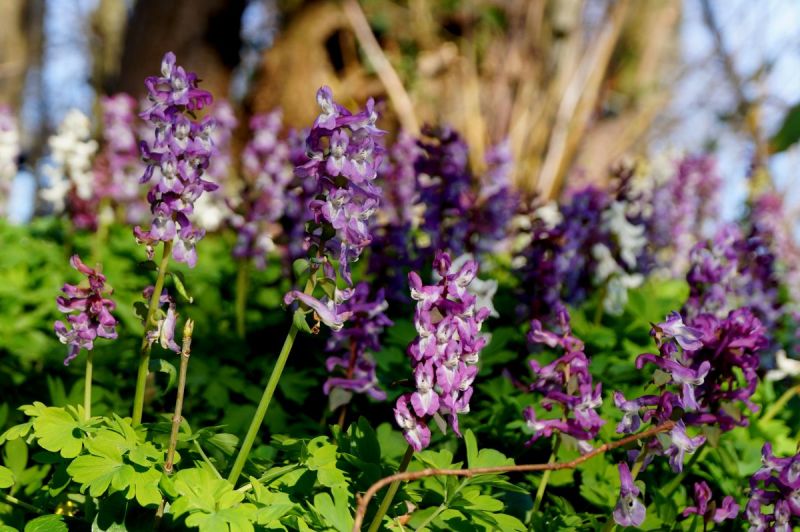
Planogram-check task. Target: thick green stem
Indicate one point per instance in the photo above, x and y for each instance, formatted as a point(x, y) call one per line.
point(537, 503)
point(242, 282)
point(780, 404)
point(391, 492)
point(87, 386)
point(144, 353)
point(266, 398)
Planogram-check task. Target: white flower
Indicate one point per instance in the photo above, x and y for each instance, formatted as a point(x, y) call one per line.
point(785, 367)
point(549, 214)
point(630, 237)
point(72, 150)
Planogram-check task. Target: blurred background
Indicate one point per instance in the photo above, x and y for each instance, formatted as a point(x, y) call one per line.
point(574, 85)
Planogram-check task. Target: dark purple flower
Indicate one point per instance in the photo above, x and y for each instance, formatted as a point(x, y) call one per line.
point(702, 495)
point(88, 311)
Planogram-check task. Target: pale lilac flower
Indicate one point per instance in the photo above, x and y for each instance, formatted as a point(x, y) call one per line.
point(629, 510)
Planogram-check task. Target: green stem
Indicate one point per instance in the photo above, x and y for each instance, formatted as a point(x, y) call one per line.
point(442, 507)
point(242, 282)
point(87, 386)
point(13, 501)
point(101, 234)
point(673, 484)
point(206, 459)
point(144, 353)
point(266, 398)
point(537, 503)
point(391, 492)
point(780, 404)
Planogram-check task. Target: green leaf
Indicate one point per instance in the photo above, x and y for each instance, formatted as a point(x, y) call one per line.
point(789, 132)
point(299, 320)
point(160, 365)
point(472, 448)
point(299, 267)
point(211, 503)
point(180, 286)
point(336, 511)
point(59, 430)
point(6, 478)
point(47, 523)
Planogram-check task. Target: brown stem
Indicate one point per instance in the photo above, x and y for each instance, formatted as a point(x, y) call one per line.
point(186, 351)
point(351, 368)
point(416, 475)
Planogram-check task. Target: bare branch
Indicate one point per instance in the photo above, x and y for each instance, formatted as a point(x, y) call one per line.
point(363, 502)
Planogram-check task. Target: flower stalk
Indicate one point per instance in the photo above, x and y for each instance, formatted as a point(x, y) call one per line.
point(87, 387)
point(144, 352)
point(242, 284)
point(186, 351)
point(537, 503)
point(266, 397)
point(391, 492)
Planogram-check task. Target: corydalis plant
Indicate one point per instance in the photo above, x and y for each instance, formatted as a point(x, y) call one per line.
point(444, 355)
point(344, 153)
point(774, 502)
point(176, 159)
point(88, 311)
point(566, 383)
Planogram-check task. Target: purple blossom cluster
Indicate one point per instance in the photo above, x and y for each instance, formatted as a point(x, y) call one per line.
point(445, 352)
point(732, 271)
point(565, 383)
point(398, 218)
point(462, 213)
point(88, 311)
point(774, 488)
point(176, 159)
point(707, 374)
point(343, 155)
point(268, 174)
point(683, 198)
point(119, 165)
point(355, 342)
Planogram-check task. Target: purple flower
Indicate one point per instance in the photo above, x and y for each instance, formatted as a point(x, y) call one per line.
point(687, 337)
point(366, 323)
point(702, 495)
point(680, 445)
point(176, 159)
point(164, 331)
point(341, 164)
point(775, 485)
point(415, 429)
point(445, 353)
point(566, 383)
point(88, 312)
point(629, 510)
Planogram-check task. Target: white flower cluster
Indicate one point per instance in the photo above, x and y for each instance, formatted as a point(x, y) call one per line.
point(9, 151)
point(72, 150)
point(631, 241)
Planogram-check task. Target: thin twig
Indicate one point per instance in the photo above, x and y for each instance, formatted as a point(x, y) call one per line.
point(523, 468)
point(387, 74)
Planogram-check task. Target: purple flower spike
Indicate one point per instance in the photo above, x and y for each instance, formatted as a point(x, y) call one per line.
point(629, 510)
point(93, 318)
point(774, 503)
point(326, 313)
point(445, 353)
point(176, 159)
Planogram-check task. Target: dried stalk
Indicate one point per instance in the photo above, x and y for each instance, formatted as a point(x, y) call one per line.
point(363, 502)
point(186, 350)
point(386, 73)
